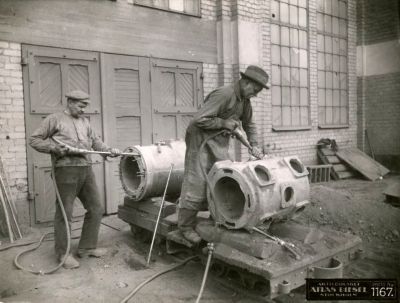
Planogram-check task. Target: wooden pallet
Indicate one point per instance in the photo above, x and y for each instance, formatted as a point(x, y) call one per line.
point(339, 170)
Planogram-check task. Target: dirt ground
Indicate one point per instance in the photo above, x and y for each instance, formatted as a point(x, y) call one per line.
point(354, 206)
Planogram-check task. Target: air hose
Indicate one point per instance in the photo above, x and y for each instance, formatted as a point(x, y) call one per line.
point(50, 271)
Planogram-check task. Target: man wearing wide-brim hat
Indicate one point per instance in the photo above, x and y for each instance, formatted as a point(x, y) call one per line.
point(224, 109)
point(73, 173)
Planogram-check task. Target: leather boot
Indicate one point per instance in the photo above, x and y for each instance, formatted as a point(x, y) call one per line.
point(91, 252)
point(70, 262)
point(186, 224)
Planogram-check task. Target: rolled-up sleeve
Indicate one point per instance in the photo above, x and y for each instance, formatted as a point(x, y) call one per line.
point(40, 138)
point(249, 125)
point(207, 116)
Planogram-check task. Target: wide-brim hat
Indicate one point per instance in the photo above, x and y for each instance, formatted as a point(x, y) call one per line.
point(256, 74)
point(78, 95)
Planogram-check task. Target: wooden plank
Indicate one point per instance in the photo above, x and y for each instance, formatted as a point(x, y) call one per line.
point(361, 162)
point(333, 159)
point(327, 152)
point(325, 161)
point(345, 174)
point(340, 167)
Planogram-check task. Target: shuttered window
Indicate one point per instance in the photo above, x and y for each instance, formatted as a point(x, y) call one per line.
point(290, 67)
point(190, 7)
point(333, 103)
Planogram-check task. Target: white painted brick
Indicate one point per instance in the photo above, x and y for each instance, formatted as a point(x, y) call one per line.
point(4, 44)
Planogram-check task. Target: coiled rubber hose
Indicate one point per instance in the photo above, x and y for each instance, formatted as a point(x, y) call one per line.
point(50, 271)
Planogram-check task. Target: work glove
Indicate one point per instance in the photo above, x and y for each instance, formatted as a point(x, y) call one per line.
point(230, 124)
point(59, 151)
point(115, 152)
point(256, 152)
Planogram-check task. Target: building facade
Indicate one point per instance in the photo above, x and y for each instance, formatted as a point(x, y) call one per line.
point(148, 64)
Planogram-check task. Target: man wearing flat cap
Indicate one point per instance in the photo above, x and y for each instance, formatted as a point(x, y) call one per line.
point(223, 109)
point(73, 173)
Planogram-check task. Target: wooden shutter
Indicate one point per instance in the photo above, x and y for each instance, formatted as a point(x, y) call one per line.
point(176, 90)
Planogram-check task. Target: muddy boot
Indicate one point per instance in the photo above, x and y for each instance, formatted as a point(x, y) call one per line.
point(186, 224)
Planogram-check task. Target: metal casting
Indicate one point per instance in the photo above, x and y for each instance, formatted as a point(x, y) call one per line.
point(247, 194)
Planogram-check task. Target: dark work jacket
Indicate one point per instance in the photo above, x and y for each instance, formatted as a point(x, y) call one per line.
point(221, 104)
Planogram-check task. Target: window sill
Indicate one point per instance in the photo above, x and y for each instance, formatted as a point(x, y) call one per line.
point(333, 126)
point(167, 10)
point(290, 128)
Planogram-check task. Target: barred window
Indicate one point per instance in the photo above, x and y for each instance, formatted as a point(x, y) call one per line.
point(333, 105)
point(290, 67)
point(191, 7)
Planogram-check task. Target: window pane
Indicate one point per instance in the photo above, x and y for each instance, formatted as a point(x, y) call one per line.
point(328, 97)
point(303, 58)
point(295, 78)
point(294, 56)
point(335, 63)
point(336, 83)
point(285, 76)
point(335, 7)
point(321, 97)
point(276, 54)
point(342, 10)
point(321, 115)
point(304, 115)
point(285, 36)
point(275, 10)
point(320, 22)
point(176, 5)
point(293, 15)
point(336, 115)
point(328, 44)
point(321, 79)
point(303, 77)
point(335, 45)
point(321, 43)
point(343, 47)
point(303, 39)
point(302, 17)
point(286, 116)
point(275, 34)
point(276, 115)
point(343, 81)
point(336, 97)
point(284, 11)
point(343, 98)
point(303, 3)
point(320, 5)
point(303, 96)
point(343, 115)
point(328, 79)
point(328, 62)
point(328, 24)
point(296, 115)
point(192, 6)
point(342, 27)
point(285, 57)
point(343, 64)
point(276, 95)
point(276, 75)
point(335, 26)
point(328, 113)
point(328, 7)
point(294, 37)
point(294, 2)
point(295, 93)
point(285, 95)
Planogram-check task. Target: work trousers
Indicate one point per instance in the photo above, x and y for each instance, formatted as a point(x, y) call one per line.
point(72, 182)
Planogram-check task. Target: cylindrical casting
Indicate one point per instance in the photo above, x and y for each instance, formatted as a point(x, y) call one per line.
point(145, 175)
point(245, 194)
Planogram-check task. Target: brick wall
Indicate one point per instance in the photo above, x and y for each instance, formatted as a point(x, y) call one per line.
point(378, 21)
point(12, 125)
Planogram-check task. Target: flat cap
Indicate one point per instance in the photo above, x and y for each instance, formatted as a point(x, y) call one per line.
point(78, 95)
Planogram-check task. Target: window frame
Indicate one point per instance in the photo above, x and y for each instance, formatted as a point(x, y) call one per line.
point(339, 72)
point(298, 86)
point(198, 15)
